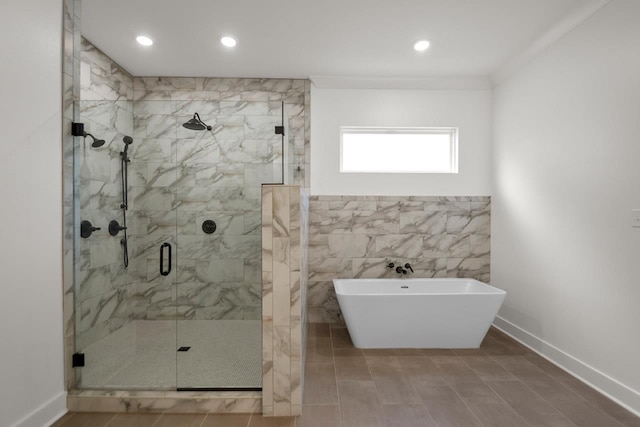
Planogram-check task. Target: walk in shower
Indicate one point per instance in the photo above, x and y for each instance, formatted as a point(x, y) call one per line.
point(167, 276)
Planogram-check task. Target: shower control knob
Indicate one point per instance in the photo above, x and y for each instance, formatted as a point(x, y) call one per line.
point(86, 229)
point(115, 228)
point(209, 226)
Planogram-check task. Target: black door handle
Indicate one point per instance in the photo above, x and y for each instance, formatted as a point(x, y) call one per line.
point(162, 270)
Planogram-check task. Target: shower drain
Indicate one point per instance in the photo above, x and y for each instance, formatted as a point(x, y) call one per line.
point(184, 348)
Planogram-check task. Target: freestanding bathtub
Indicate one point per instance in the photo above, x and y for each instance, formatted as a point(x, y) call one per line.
point(417, 313)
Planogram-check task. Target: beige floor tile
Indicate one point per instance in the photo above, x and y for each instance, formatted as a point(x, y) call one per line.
point(584, 414)
point(408, 416)
point(319, 350)
point(319, 416)
point(318, 330)
point(320, 385)
point(340, 338)
point(496, 415)
point(352, 369)
point(87, 419)
point(226, 420)
point(258, 420)
point(359, 404)
point(134, 420)
point(181, 420)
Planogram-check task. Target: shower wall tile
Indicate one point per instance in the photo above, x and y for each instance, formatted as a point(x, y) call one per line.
point(358, 236)
point(211, 175)
point(284, 271)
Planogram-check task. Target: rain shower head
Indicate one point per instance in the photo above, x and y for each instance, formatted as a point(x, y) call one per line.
point(196, 124)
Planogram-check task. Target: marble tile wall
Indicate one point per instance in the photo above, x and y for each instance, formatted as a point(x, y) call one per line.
point(182, 177)
point(284, 283)
point(105, 107)
point(357, 236)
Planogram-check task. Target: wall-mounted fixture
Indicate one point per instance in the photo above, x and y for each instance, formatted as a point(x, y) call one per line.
point(86, 229)
point(115, 228)
point(196, 123)
point(77, 129)
point(209, 226)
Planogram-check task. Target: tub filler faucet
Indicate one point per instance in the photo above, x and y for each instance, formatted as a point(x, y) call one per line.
point(404, 270)
point(401, 270)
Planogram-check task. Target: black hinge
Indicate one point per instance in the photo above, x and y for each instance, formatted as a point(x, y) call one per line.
point(280, 130)
point(77, 360)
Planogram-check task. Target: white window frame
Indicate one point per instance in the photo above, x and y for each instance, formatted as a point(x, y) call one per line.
point(450, 131)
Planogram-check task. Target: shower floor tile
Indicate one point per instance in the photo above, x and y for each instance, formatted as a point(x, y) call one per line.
point(143, 355)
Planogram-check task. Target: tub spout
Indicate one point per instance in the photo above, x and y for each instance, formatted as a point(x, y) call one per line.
point(400, 270)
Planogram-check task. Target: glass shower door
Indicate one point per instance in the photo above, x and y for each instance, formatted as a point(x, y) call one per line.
point(219, 291)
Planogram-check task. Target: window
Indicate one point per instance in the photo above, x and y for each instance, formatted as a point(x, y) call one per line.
point(398, 150)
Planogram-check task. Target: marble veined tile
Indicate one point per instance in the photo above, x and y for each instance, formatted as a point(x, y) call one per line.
point(147, 107)
point(376, 222)
point(244, 108)
point(247, 246)
point(351, 246)
point(164, 83)
point(200, 247)
point(474, 222)
point(330, 222)
point(220, 270)
point(220, 175)
point(480, 245)
point(189, 107)
point(152, 150)
point(423, 222)
point(261, 127)
point(402, 245)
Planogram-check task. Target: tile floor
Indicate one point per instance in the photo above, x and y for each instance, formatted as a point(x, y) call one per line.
point(500, 384)
point(142, 354)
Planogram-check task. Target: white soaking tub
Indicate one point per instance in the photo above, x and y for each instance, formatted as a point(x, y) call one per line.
point(417, 313)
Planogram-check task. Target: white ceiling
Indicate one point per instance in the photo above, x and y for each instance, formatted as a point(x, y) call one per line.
point(302, 38)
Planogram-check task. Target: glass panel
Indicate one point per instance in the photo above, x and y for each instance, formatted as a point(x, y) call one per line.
point(219, 283)
point(125, 314)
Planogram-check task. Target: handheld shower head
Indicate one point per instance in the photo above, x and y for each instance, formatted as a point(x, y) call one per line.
point(196, 123)
point(127, 142)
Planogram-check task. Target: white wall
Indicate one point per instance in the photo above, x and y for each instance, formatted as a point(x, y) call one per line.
point(566, 162)
point(469, 110)
point(31, 372)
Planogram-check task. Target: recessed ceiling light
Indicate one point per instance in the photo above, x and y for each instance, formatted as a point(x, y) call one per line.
point(228, 41)
point(421, 45)
point(144, 40)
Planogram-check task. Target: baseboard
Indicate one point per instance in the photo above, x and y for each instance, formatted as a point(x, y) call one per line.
point(610, 387)
point(46, 414)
